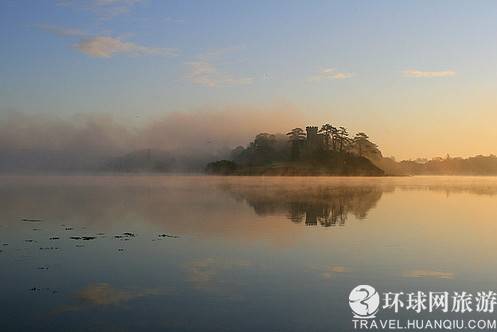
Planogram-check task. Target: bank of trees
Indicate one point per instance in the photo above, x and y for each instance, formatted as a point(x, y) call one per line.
point(335, 139)
point(295, 145)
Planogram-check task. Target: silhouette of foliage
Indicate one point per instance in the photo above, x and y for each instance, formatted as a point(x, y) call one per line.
point(317, 151)
point(477, 165)
point(297, 137)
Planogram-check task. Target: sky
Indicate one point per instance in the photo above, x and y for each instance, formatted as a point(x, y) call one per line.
point(419, 77)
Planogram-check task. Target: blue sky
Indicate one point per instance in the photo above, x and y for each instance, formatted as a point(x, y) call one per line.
point(391, 68)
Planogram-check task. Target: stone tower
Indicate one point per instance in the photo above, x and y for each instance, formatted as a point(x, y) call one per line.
point(314, 139)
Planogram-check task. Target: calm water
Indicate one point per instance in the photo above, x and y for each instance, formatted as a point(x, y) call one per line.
point(232, 254)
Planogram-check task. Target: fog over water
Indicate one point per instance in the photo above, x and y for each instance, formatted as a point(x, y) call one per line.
point(42, 142)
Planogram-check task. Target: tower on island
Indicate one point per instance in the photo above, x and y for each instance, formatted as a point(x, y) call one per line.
point(315, 140)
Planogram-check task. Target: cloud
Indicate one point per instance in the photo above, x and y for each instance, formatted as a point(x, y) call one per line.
point(105, 47)
point(205, 73)
point(421, 74)
point(61, 31)
point(428, 274)
point(330, 74)
point(105, 9)
point(205, 69)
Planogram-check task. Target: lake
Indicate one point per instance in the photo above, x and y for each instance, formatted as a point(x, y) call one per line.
point(194, 253)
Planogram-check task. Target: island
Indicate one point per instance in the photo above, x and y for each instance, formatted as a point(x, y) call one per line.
point(314, 152)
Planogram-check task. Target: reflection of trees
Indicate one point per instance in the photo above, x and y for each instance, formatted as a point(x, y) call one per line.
point(317, 213)
point(186, 205)
point(311, 205)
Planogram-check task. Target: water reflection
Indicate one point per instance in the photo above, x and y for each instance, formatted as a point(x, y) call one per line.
point(199, 253)
point(103, 294)
point(428, 274)
point(312, 205)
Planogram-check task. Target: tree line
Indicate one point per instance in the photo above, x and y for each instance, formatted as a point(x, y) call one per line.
point(295, 146)
point(335, 139)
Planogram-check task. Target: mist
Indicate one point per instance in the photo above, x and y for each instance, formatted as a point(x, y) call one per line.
point(84, 143)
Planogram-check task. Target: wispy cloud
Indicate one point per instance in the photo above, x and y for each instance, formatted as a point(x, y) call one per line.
point(103, 8)
point(105, 47)
point(207, 74)
point(207, 70)
point(427, 74)
point(330, 74)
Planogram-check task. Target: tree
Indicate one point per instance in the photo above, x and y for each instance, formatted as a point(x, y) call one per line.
point(329, 133)
point(365, 148)
point(360, 142)
point(334, 137)
point(263, 148)
point(264, 141)
point(296, 134)
point(342, 137)
point(296, 137)
point(237, 152)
